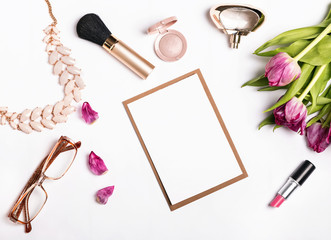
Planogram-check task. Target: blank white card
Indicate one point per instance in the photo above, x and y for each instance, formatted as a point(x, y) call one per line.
point(184, 139)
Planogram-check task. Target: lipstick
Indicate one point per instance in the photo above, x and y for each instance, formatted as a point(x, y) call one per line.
point(298, 177)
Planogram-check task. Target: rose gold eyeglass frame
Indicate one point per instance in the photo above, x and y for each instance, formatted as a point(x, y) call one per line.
point(63, 144)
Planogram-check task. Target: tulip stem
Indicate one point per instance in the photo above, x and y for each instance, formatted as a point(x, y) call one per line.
point(313, 43)
point(312, 82)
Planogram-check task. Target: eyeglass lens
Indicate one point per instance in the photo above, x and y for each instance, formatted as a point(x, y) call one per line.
point(35, 199)
point(61, 160)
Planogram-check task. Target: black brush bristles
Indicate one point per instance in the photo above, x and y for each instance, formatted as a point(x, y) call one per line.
point(90, 27)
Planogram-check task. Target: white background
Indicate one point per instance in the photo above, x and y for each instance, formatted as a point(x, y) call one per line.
point(137, 209)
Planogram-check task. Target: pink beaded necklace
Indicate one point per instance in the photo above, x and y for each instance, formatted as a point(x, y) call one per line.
point(69, 77)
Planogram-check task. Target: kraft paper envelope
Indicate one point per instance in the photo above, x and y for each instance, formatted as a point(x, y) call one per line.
point(185, 139)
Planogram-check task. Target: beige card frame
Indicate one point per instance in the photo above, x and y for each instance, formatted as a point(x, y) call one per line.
point(211, 100)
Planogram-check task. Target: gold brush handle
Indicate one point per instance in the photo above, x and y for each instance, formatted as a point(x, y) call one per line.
point(128, 57)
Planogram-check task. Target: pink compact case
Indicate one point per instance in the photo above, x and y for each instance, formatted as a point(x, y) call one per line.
point(170, 45)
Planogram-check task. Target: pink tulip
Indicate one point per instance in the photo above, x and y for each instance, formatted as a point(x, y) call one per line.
point(318, 137)
point(292, 115)
point(282, 70)
point(88, 114)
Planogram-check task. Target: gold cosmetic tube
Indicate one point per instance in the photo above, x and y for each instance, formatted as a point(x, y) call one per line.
point(128, 57)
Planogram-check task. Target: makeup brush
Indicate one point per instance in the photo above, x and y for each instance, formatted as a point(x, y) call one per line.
point(90, 27)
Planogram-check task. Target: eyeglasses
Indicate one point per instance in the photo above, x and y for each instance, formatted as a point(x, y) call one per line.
point(34, 196)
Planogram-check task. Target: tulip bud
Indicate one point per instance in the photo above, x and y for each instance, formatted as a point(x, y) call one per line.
point(292, 115)
point(318, 137)
point(282, 70)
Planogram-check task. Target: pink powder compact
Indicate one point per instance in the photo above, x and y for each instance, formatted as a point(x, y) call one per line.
point(170, 45)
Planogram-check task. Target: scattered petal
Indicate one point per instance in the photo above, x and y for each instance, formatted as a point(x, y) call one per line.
point(104, 193)
point(88, 114)
point(96, 164)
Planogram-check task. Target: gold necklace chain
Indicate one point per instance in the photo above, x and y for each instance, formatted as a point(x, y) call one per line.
point(50, 11)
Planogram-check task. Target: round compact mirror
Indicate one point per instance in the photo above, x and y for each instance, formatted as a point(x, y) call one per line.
point(170, 45)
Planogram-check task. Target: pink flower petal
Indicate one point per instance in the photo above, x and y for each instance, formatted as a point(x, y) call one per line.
point(318, 137)
point(104, 193)
point(282, 70)
point(96, 164)
point(292, 114)
point(88, 114)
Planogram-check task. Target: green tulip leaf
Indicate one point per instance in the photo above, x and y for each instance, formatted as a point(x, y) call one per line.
point(292, 36)
point(267, 121)
point(311, 110)
point(292, 50)
point(323, 100)
point(320, 84)
point(320, 54)
point(328, 16)
point(297, 34)
point(257, 82)
point(276, 127)
point(306, 71)
point(327, 121)
point(312, 121)
point(326, 109)
point(307, 99)
point(265, 89)
point(326, 21)
point(327, 95)
point(326, 92)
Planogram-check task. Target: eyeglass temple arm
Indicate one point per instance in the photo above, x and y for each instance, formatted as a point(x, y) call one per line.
point(34, 178)
point(28, 226)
